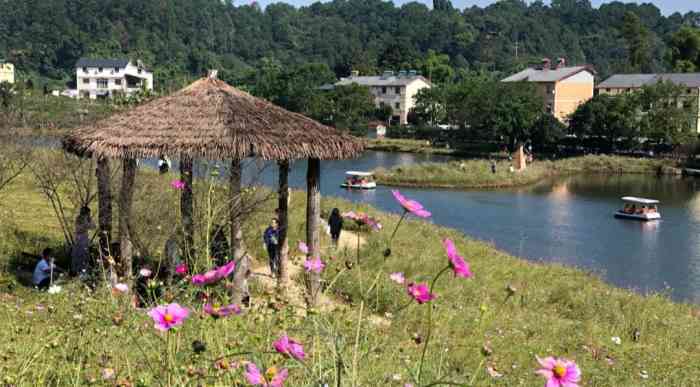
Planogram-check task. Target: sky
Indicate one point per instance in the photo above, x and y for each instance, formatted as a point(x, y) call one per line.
point(667, 7)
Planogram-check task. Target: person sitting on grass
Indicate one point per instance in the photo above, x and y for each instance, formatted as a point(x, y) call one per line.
point(43, 270)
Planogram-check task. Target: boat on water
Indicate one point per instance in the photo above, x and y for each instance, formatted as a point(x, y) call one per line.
point(639, 209)
point(359, 180)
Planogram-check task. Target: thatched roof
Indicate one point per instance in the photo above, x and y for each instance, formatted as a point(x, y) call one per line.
point(213, 120)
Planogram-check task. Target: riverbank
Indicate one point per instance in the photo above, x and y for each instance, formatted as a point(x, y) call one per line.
point(487, 329)
point(478, 174)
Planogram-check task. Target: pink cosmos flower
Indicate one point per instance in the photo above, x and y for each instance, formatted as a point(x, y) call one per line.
point(362, 218)
point(168, 316)
point(420, 293)
point(459, 266)
point(214, 275)
point(303, 247)
point(177, 184)
point(559, 372)
point(315, 264)
point(397, 277)
point(121, 288)
point(226, 270)
point(181, 270)
point(256, 378)
point(411, 206)
point(217, 311)
point(145, 272)
point(289, 347)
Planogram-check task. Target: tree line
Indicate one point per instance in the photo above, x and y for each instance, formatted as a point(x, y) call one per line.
point(181, 39)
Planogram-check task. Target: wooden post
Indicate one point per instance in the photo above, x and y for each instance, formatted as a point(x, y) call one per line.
point(104, 199)
point(235, 211)
point(187, 206)
point(283, 221)
point(313, 217)
point(126, 196)
point(240, 276)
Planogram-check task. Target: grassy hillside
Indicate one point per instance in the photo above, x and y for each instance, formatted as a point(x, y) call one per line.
point(371, 334)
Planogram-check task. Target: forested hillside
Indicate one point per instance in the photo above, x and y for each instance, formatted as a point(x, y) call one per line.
point(182, 38)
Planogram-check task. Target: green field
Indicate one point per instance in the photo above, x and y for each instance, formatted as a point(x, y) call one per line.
point(371, 334)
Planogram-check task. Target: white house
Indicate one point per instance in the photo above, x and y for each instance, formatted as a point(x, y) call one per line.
point(395, 90)
point(101, 78)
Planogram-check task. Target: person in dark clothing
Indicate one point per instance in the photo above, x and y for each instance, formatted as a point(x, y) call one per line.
point(271, 239)
point(493, 167)
point(335, 222)
point(219, 246)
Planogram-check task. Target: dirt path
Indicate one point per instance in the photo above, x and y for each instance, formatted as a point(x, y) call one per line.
point(295, 292)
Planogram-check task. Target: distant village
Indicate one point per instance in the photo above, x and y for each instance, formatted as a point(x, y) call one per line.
point(563, 88)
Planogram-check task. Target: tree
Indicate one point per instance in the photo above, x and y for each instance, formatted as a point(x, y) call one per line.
point(611, 119)
point(431, 105)
point(667, 114)
point(353, 105)
point(637, 39)
point(511, 111)
point(437, 67)
point(383, 112)
point(547, 131)
point(685, 50)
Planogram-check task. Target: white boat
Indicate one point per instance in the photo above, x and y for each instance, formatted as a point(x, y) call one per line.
point(639, 209)
point(359, 180)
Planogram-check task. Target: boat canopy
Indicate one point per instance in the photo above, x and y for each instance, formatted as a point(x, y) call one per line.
point(358, 173)
point(632, 199)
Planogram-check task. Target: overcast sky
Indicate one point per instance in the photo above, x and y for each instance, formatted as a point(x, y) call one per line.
point(667, 6)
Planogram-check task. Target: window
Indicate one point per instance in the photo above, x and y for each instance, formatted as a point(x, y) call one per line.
point(550, 89)
point(86, 81)
point(102, 83)
point(116, 69)
point(607, 91)
point(84, 69)
point(118, 82)
point(549, 108)
point(384, 90)
point(397, 105)
point(397, 90)
point(99, 69)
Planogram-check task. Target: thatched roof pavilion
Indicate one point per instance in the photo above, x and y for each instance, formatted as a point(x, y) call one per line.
point(213, 120)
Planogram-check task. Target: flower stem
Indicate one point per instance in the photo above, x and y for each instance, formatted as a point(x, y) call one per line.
point(430, 323)
point(397, 226)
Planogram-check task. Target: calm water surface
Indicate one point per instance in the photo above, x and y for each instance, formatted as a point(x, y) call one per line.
point(567, 220)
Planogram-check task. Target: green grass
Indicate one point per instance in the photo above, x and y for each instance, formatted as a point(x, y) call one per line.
point(71, 337)
point(406, 145)
point(478, 174)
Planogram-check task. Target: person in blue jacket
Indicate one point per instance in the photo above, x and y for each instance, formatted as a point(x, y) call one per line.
point(271, 239)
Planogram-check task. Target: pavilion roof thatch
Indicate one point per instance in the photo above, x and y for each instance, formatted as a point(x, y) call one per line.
point(213, 120)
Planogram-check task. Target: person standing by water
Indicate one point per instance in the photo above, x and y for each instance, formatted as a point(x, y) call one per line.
point(271, 239)
point(335, 222)
point(493, 167)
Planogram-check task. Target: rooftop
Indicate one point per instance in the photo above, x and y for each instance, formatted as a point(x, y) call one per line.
point(88, 62)
point(638, 80)
point(381, 80)
point(548, 75)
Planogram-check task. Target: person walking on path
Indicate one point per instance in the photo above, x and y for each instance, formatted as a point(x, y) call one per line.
point(271, 239)
point(335, 222)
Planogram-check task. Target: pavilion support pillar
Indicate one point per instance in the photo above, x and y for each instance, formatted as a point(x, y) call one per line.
point(126, 196)
point(187, 206)
point(283, 221)
point(236, 210)
point(104, 199)
point(239, 289)
point(313, 217)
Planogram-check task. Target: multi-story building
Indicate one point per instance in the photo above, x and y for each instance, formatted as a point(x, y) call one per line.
point(563, 88)
point(628, 83)
point(397, 91)
point(7, 72)
point(101, 78)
